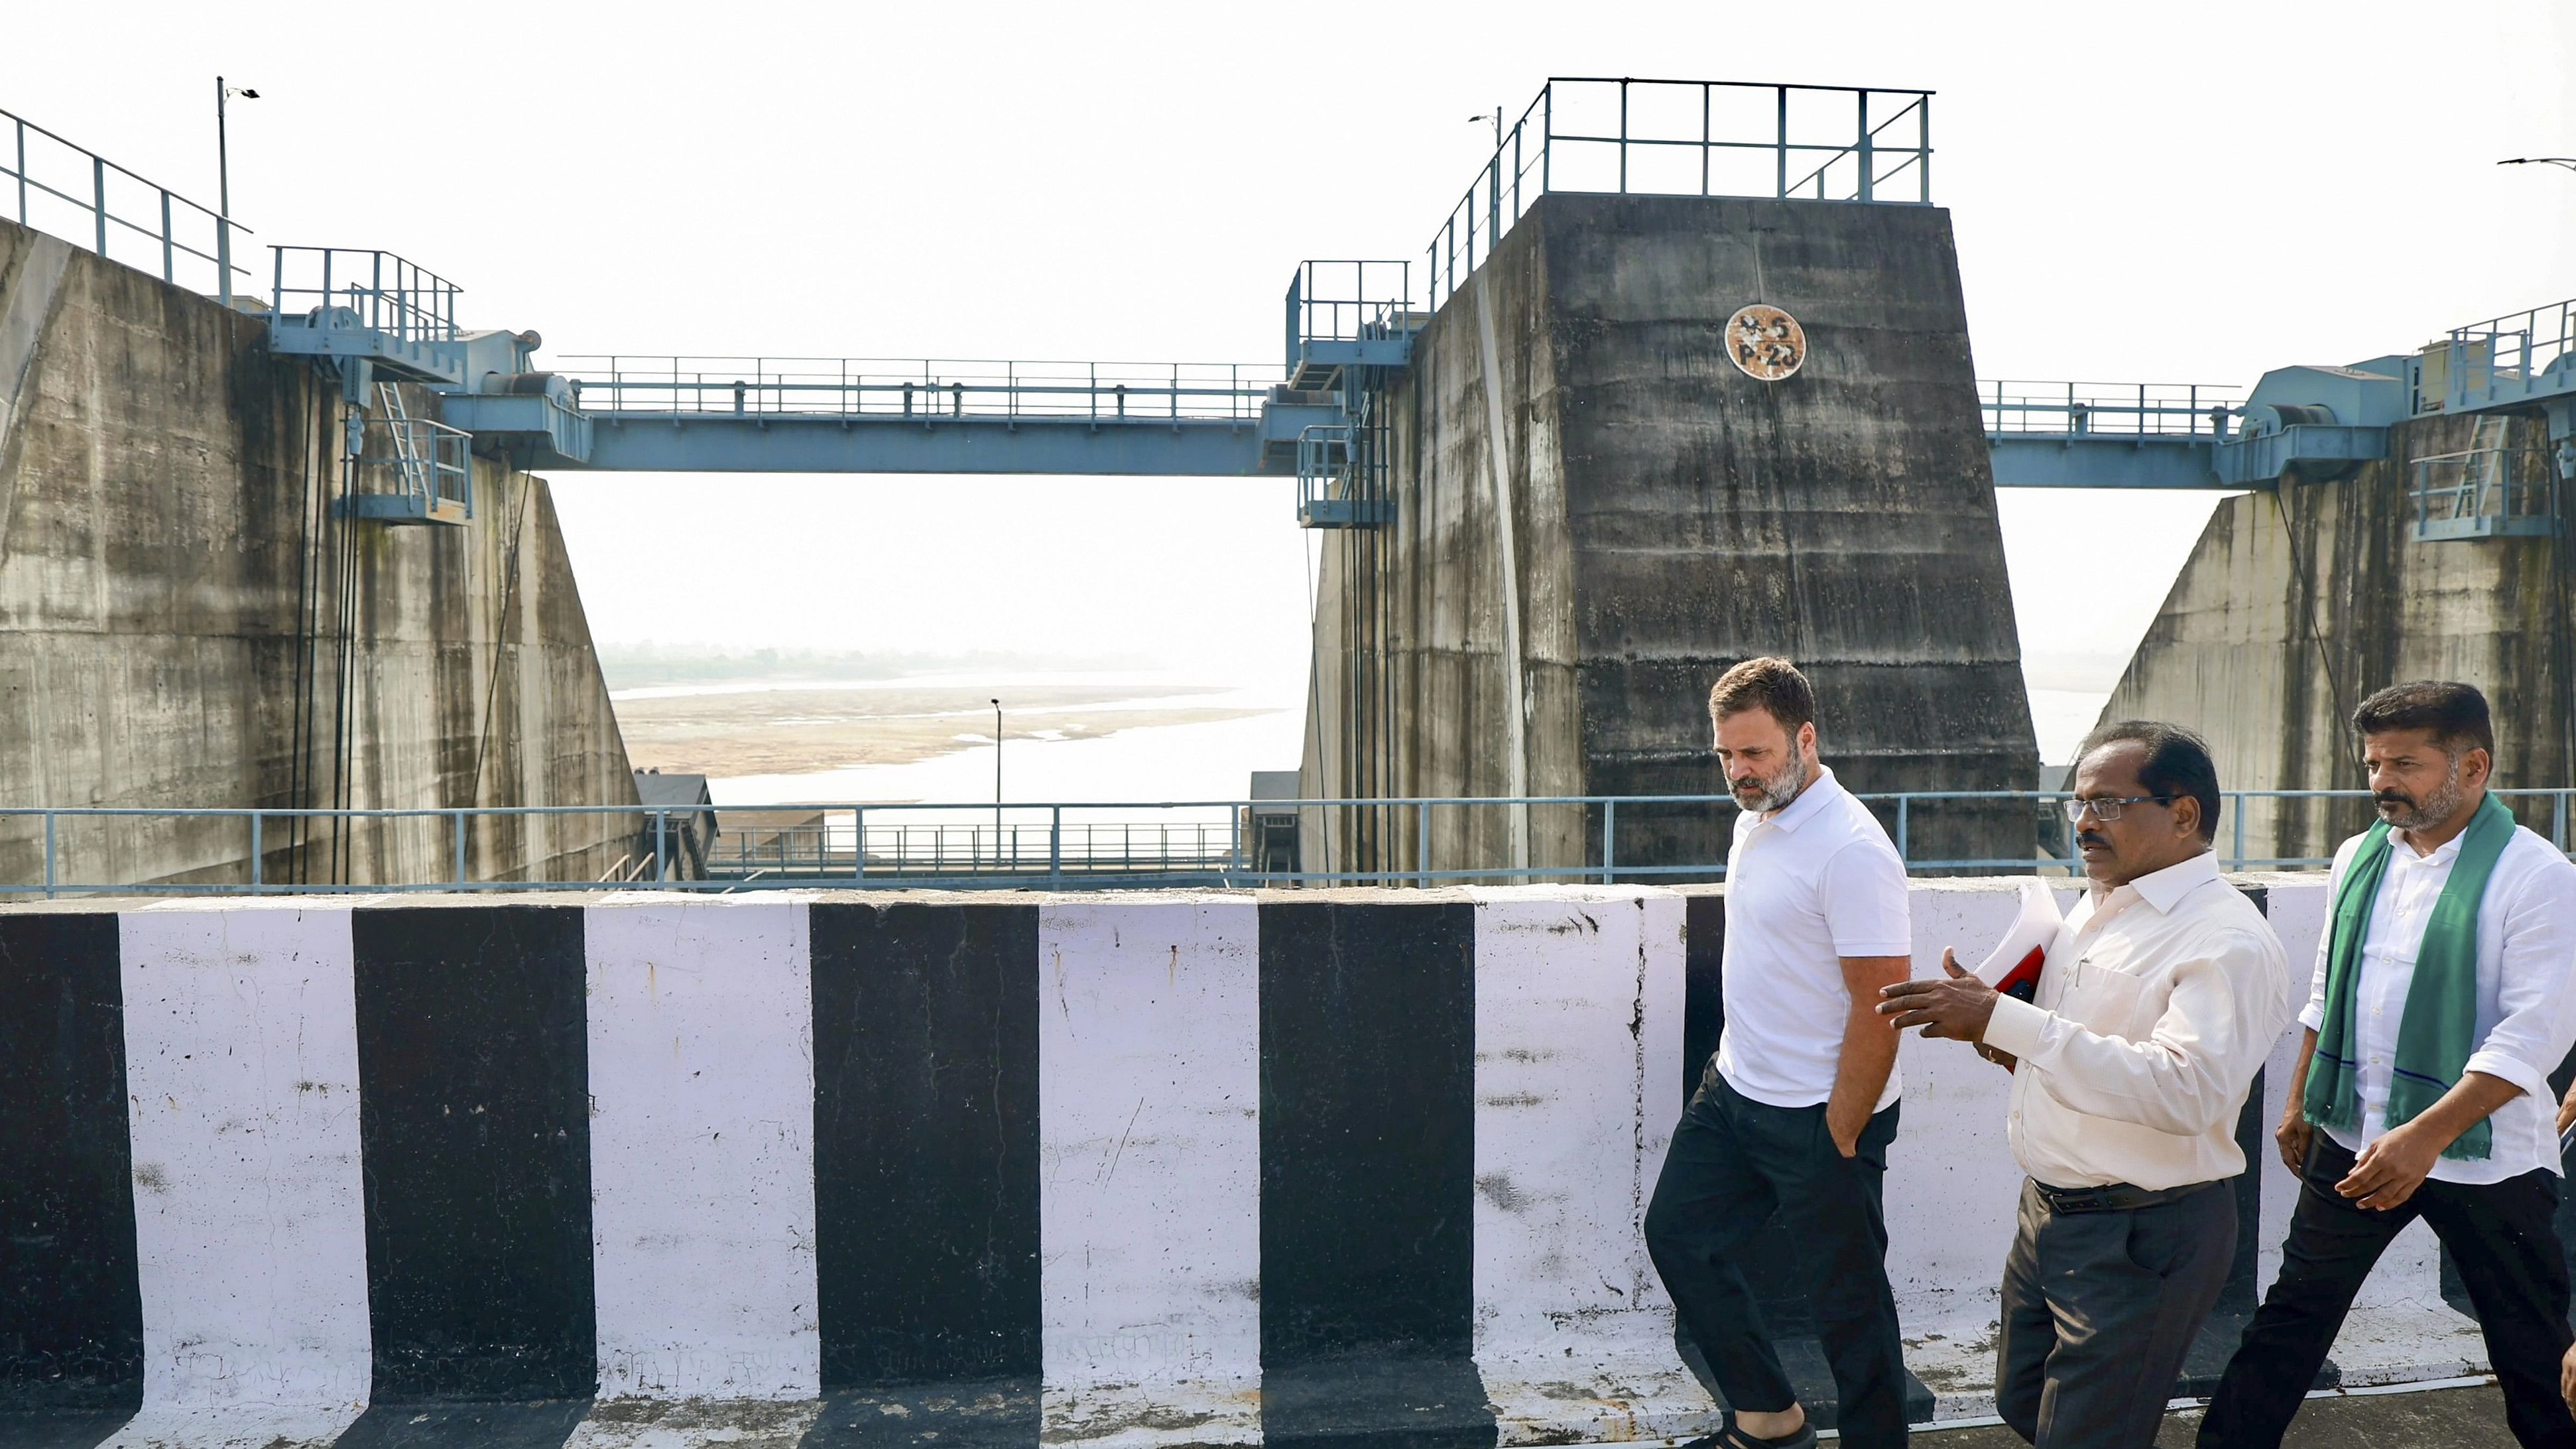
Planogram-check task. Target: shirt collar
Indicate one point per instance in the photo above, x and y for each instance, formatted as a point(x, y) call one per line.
point(1809, 802)
point(2443, 854)
point(2164, 889)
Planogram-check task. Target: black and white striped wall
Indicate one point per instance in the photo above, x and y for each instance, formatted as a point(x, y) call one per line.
point(1136, 1171)
point(868, 1170)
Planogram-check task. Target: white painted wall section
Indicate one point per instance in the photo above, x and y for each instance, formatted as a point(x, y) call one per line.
point(1149, 1092)
point(250, 1204)
point(1952, 1184)
point(701, 1035)
point(1578, 1066)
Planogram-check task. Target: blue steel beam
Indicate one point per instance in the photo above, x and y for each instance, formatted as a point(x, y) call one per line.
point(660, 442)
point(2078, 460)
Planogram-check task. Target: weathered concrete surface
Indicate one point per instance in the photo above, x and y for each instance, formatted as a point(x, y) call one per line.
point(2461, 1418)
point(1672, 515)
point(161, 486)
point(2297, 603)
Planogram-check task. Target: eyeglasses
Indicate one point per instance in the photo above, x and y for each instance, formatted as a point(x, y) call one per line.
point(2108, 809)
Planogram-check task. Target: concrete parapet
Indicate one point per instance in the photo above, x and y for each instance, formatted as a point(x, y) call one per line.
point(838, 1169)
point(170, 633)
point(1670, 514)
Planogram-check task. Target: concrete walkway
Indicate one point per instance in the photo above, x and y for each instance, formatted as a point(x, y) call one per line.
point(2462, 1418)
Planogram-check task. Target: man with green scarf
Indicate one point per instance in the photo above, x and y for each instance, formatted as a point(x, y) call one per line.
point(2445, 995)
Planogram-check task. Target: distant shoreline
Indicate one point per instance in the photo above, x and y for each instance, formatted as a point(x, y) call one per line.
point(780, 728)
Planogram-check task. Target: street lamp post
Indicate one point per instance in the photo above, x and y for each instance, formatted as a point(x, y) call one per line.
point(224, 189)
point(997, 782)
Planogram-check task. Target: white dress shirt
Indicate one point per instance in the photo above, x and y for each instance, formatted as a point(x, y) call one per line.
point(2158, 1004)
point(1805, 886)
point(2526, 990)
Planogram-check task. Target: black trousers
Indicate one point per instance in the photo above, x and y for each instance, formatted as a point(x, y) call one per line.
point(1733, 1161)
point(2099, 1310)
point(2503, 1239)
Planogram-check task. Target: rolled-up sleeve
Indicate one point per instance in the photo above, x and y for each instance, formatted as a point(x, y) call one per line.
point(2535, 984)
point(2219, 1021)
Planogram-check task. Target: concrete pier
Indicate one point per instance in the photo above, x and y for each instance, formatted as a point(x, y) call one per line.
point(1670, 514)
point(164, 540)
point(2298, 602)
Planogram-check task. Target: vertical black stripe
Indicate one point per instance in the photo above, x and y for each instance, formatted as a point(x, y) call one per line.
point(1368, 1123)
point(71, 1310)
point(2218, 1337)
point(926, 1172)
point(1703, 1001)
point(473, 1071)
point(1773, 1258)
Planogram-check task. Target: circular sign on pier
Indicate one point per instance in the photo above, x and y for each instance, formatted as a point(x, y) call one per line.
point(1766, 342)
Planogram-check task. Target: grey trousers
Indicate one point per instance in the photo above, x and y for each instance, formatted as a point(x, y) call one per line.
point(2099, 1309)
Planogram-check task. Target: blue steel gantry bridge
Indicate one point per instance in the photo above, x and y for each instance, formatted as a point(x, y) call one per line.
point(426, 393)
point(374, 317)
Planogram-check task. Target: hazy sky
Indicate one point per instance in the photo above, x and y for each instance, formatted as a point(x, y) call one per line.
point(2187, 192)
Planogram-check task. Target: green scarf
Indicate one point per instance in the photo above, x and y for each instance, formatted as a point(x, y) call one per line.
point(2439, 1029)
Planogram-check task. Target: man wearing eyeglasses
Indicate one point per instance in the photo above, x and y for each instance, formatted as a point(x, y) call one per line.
point(2158, 1001)
point(2442, 1001)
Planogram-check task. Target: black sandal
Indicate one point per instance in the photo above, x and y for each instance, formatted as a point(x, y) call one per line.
point(1731, 1436)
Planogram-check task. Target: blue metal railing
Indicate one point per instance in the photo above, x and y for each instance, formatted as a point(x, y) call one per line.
point(2506, 359)
point(1351, 301)
point(365, 289)
point(81, 204)
point(2484, 492)
point(2180, 410)
point(1688, 138)
point(926, 390)
point(1053, 845)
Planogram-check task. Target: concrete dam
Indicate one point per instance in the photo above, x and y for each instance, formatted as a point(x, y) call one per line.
point(838, 1166)
point(185, 623)
point(1670, 513)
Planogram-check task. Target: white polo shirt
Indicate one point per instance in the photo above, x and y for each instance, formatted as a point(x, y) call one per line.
point(2526, 991)
point(1805, 887)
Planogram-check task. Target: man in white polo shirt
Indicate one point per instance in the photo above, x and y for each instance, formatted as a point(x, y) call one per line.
point(1797, 1108)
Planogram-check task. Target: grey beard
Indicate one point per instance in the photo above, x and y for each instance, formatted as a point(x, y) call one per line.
point(1783, 788)
point(2438, 806)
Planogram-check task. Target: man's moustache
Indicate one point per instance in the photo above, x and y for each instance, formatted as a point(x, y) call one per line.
point(2089, 838)
point(2395, 797)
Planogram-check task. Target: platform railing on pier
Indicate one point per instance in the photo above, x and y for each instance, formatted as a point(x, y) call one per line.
point(1233, 844)
point(2110, 409)
point(366, 288)
point(2519, 355)
point(1630, 136)
point(927, 390)
point(69, 191)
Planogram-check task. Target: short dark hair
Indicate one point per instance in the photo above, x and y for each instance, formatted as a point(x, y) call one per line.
point(2177, 763)
point(1769, 683)
point(2455, 713)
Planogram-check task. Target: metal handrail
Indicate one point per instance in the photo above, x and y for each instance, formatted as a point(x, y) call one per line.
point(101, 212)
point(1351, 300)
point(925, 390)
point(1045, 849)
point(2119, 409)
point(365, 287)
point(2482, 483)
point(2520, 354)
point(1536, 156)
